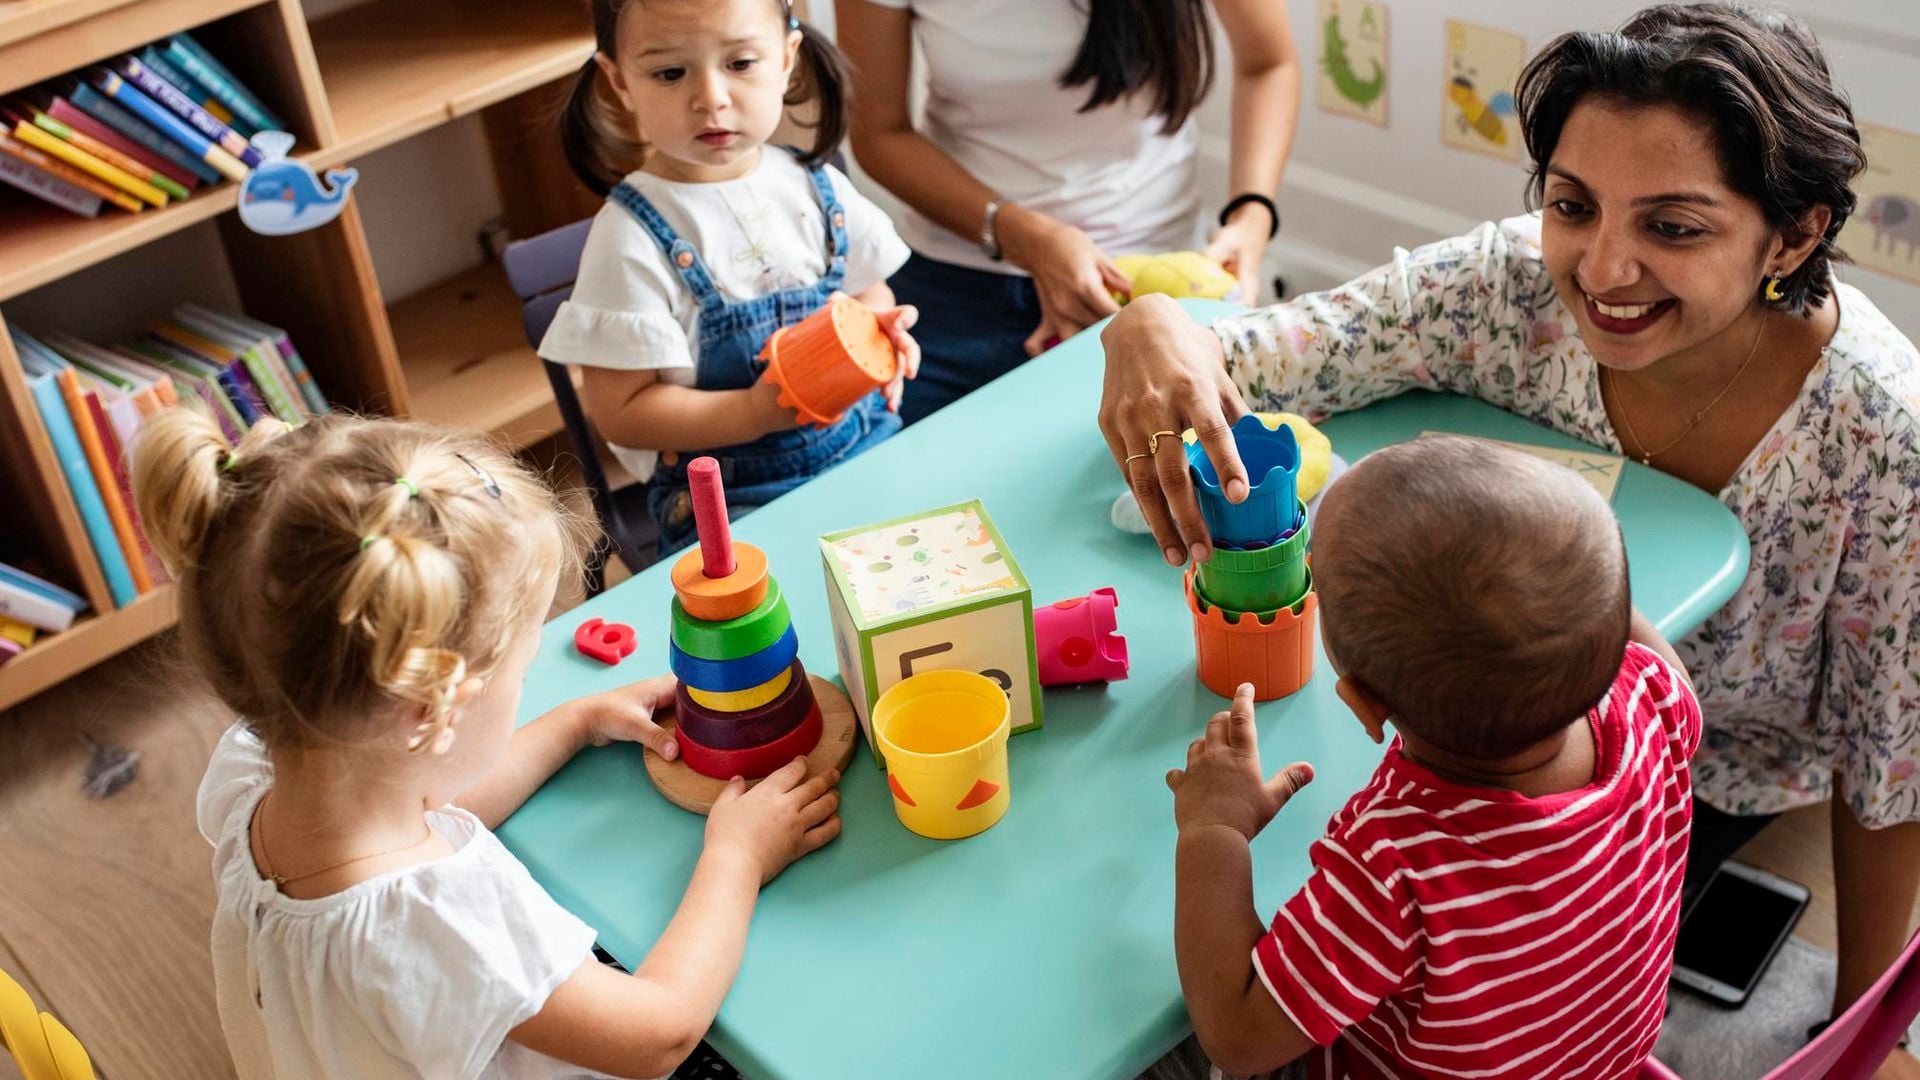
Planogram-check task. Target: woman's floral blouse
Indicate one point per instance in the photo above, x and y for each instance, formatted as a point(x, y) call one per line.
point(1813, 669)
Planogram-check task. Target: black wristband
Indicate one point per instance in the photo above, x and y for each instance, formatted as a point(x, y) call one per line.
point(1239, 201)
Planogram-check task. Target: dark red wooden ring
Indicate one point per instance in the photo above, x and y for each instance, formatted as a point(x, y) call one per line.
point(755, 761)
point(750, 727)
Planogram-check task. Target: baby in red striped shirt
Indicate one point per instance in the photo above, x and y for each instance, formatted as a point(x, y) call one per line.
point(1501, 899)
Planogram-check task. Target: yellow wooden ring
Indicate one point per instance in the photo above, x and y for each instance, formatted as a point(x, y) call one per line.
point(742, 700)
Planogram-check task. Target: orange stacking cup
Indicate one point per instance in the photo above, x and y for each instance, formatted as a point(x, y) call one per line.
point(1276, 656)
point(829, 360)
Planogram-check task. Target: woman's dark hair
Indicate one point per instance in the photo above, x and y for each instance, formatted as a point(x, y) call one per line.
point(1132, 45)
point(598, 136)
point(1757, 79)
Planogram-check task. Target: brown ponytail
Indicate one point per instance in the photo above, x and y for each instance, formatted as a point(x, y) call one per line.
point(820, 75)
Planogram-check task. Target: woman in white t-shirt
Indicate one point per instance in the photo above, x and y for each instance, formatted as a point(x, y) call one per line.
point(1057, 134)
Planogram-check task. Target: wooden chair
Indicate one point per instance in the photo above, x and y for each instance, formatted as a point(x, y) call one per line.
point(541, 270)
point(1854, 1046)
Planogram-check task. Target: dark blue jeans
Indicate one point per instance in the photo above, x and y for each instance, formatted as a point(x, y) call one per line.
point(972, 330)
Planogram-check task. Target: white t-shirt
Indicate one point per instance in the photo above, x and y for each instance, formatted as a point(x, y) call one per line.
point(416, 973)
point(764, 232)
point(995, 104)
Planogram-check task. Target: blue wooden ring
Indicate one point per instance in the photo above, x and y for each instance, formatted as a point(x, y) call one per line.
point(751, 727)
point(742, 674)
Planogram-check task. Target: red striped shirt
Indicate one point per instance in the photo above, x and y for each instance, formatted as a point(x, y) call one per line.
point(1463, 931)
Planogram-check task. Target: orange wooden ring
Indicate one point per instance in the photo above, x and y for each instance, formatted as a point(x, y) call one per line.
point(719, 599)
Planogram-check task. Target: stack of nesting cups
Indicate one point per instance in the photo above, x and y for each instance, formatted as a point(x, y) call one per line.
point(744, 705)
point(1252, 601)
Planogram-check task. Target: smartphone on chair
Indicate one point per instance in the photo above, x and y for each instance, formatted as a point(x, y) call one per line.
point(1733, 931)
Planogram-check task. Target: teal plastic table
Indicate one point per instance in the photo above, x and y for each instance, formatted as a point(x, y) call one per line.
point(1044, 946)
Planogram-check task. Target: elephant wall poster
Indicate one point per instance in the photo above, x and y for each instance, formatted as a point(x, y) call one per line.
point(1884, 232)
point(1353, 59)
point(1476, 103)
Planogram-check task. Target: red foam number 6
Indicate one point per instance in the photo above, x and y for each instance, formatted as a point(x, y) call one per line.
point(607, 642)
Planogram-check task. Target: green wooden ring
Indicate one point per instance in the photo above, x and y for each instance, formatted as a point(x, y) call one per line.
point(730, 640)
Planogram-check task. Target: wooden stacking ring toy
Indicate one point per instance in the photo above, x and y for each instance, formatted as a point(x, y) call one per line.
point(690, 790)
point(754, 761)
point(747, 727)
point(753, 632)
point(742, 700)
point(744, 673)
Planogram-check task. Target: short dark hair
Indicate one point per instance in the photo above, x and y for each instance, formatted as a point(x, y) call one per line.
point(1757, 79)
point(1479, 591)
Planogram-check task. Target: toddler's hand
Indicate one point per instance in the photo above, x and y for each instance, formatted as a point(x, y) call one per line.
point(1222, 783)
point(896, 321)
point(783, 817)
point(626, 715)
point(770, 416)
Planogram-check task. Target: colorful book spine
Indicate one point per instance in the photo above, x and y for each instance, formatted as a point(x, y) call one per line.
point(95, 449)
point(157, 63)
point(100, 107)
point(48, 187)
point(182, 106)
point(151, 111)
point(201, 66)
point(47, 163)
point(40, 140)
point(282, 341)
point(47, 398)
point(69, 114)
point(21, 606)
point(17, 632)
point(131, 166)
point(29, 605)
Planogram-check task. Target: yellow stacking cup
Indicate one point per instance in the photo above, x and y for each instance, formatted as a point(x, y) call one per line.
point(944, 737)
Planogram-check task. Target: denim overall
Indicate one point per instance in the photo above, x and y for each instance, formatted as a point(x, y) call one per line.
point(731, 334)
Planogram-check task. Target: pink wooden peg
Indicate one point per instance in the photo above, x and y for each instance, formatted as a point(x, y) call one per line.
point(710, 517)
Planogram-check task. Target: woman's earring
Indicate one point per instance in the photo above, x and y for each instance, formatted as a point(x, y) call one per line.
point(1773, 294)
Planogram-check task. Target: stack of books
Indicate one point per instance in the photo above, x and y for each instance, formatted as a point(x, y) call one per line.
point(93, 400)
point(141, 131)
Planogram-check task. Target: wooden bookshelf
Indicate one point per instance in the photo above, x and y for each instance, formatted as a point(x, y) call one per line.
point(459, 56)
point(347, 84)
point(467, 360)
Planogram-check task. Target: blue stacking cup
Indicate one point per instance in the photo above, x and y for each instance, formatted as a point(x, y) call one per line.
point(1272, 459)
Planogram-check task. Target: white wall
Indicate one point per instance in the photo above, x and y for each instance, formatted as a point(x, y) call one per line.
point(1354, 190)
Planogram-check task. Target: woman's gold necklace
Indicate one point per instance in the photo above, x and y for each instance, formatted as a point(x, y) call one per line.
point(1646, 455)
point(281, 881)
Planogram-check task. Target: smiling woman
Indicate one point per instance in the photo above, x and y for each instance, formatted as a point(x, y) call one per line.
point(1674, 300)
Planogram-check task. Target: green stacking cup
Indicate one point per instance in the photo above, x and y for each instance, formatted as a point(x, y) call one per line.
point(1265, 579)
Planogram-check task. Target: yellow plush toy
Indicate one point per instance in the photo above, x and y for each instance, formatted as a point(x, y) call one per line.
point(1177, 274)
point(1316, 451)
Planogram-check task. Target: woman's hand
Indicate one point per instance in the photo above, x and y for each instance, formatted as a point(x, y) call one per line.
point(1240, 246)
point(1166, 373)
point(1076, 282)
point(896, 322)
point(776, 821)
point(626, 715)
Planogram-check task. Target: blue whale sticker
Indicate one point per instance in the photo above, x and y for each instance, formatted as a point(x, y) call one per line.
point(283, 196)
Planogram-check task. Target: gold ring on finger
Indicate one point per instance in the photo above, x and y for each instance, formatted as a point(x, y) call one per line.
point(1131, 458)
point(1153, 441)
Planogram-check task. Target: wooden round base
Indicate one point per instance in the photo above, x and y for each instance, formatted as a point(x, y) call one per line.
point(690, 791)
